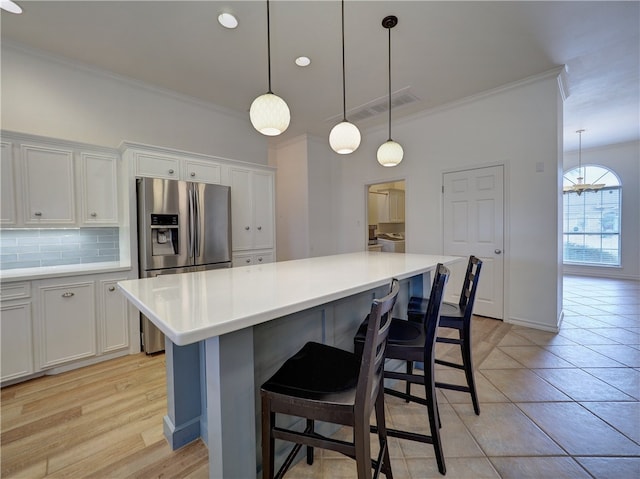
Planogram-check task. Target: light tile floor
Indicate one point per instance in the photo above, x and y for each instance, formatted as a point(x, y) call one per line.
point(563, 405)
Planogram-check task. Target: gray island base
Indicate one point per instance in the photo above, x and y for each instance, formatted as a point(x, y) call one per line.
point(227, 331)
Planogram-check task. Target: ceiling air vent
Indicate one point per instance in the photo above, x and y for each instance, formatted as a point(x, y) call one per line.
point(378, 106)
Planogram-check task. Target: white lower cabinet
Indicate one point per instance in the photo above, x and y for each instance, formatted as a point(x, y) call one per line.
point(250, 258)
point(52, 325)
point(16, 334)
point(67, 322)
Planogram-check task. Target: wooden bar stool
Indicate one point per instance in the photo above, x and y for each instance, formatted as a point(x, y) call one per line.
point(415, 341)
point(324, 383)
point(458, 317)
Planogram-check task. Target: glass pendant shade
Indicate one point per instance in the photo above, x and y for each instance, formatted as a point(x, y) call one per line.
point(390, 153)
point(344, 138)
point(269, 114)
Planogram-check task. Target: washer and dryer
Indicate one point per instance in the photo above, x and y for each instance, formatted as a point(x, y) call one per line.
point(391, 242)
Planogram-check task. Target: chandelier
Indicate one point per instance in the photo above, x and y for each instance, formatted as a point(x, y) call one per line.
point(580, 186)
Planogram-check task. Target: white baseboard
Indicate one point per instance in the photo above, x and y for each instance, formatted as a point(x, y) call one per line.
point(534, 325)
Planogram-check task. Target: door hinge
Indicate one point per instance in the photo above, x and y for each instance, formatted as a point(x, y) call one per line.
point(442, 189)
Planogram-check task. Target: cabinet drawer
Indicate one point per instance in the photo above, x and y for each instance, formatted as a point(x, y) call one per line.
point(157, 166)
point(15, 291)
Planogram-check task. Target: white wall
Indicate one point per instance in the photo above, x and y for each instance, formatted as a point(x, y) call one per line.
point(518, 127)
point(292, 200)
point(624, 160)
point(45, 96)
point(305, 205)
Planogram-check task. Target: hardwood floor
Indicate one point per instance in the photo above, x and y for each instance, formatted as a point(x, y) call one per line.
point(103, 421)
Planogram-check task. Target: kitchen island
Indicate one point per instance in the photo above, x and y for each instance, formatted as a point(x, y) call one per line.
point(228, 330)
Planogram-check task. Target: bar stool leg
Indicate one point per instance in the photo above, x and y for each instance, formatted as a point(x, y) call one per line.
point(434, 418)
point(268, 443)
point(467, 361)
point(382, 435)
point(310, 428)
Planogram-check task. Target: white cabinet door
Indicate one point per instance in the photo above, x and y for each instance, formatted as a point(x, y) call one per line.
point(15, 332)
point(202, 172)
point(263, 210)
point(99, 180)
point(156, 166)
point(396, 206)
point(252, 209)
point(7, 187)
point(48, 185)
point(241, 209)
point(113, 319)
point(67, 322)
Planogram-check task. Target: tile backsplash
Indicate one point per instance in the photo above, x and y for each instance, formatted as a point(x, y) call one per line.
point(33, 248)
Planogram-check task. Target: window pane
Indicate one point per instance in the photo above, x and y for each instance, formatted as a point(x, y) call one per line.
point(591, 226)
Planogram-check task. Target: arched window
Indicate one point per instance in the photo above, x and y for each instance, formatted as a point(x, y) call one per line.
point(591, 219)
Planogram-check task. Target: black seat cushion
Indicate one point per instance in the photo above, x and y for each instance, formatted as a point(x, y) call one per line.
point(318, 372)
point(417, 308)
point(400, 332)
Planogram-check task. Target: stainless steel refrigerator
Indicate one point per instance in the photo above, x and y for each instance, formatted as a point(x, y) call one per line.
point(182, 227)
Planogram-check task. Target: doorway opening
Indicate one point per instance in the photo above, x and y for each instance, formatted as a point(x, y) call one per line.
point(386, 217)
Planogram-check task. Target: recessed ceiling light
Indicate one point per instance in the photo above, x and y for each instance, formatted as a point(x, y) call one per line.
point(227, 20)
point(303, 61)
point(10, 6)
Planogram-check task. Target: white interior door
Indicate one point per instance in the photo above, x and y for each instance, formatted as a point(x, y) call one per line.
point(473, 224)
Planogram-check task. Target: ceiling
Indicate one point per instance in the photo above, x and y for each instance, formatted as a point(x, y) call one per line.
point(441, 52)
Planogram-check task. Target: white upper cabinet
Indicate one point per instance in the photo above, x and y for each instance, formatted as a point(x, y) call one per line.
point(263, 209)
point(99, 183)
point(8, 186)
point(202, 172)
point(55, 183)
point(159, 165)
point(48, 185)
point(252, 209)
point(156, 165)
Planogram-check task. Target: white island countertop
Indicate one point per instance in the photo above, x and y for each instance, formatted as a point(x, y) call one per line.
point(192, 307)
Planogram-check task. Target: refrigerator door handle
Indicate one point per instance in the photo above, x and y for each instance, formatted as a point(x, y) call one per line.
point(196, 231)
point(191, 223)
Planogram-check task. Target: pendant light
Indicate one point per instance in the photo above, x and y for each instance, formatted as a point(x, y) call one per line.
point(390, 152)
point(345, 136)
point(269, 113)
point(580, 186)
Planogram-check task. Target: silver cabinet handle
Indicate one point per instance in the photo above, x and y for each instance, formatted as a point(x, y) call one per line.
point(68, 294)
point(246, 228)
point(112, 288)
point(260, 259)
point(259, 228)
point(248, 260)
point(193, 173)
point(94, 214)
point(38, 213)
point(171, 171)
point(498, 251)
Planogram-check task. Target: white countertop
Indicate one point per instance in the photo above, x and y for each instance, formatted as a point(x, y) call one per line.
point(191, 307)
point(28, 274)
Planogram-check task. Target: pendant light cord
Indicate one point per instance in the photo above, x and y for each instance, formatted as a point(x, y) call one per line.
point(389, 84)
point(269, 46)
point(344, 88)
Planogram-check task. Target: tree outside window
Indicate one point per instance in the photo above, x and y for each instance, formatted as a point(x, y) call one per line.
point(591, 220)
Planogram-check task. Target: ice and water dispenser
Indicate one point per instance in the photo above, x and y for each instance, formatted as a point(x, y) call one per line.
point(164, 235)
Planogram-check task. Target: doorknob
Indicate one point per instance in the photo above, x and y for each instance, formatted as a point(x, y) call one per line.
point(498, 251)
